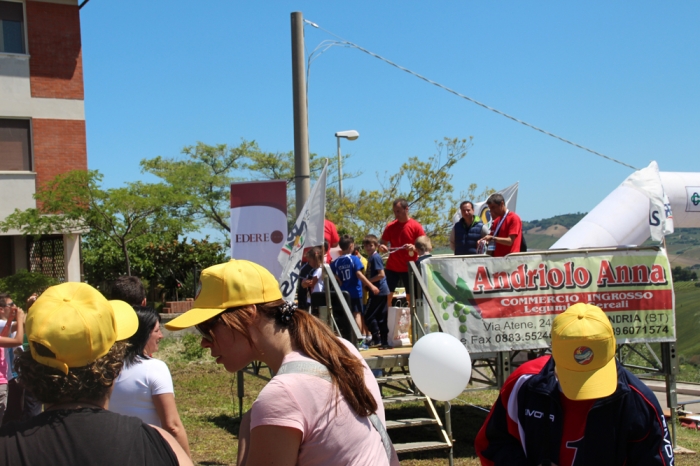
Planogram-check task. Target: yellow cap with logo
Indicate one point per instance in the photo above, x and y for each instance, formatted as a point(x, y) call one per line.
point(77, 324)
point(583, 348)
point(235, 283)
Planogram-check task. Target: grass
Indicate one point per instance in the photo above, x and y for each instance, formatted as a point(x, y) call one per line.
point(539, 242)
point(208, 403)
point(687, 320)
point(207, 400)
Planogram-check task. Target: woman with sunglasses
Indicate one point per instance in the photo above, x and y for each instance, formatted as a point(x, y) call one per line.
point(322, 407)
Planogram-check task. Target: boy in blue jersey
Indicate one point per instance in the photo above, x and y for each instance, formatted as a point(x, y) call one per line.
point(348, 270)
point(377, 307)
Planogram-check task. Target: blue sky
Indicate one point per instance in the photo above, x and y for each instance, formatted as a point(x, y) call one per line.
point(618, 77)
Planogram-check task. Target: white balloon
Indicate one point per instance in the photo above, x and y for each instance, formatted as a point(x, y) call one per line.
point(440, 366)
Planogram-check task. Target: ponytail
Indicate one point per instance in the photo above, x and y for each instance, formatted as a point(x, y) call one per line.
point(315, 339)
point(312, 337)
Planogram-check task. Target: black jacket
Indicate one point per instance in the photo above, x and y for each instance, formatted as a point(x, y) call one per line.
point(467, 237)
point(626, 428)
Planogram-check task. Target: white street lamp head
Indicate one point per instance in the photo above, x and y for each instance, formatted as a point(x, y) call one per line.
point(349, 134)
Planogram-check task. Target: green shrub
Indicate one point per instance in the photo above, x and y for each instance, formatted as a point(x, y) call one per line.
point(193, 349)
point(23, 284)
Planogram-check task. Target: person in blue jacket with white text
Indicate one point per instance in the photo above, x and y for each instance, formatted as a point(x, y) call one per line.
point(578, 407)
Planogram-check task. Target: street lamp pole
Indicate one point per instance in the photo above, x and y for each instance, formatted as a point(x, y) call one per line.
point(302, 180)
point(340, 171)
point(350, 135)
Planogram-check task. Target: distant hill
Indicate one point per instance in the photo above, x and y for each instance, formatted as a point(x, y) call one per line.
point(542, 234)
point(566, 220)
point(683, 246)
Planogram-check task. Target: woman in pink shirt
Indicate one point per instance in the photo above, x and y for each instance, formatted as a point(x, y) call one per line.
point(322, 407)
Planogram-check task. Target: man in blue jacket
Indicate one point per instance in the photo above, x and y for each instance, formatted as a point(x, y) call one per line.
point(466, 233)
point(579, 407)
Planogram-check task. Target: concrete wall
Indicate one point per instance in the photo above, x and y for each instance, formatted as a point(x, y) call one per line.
point(17, 190)
point(71, 257)
point(16, 95)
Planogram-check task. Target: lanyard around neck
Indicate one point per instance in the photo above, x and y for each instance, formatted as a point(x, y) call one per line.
point(498, 227)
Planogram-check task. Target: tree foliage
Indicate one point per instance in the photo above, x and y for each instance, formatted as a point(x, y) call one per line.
point(138, 228)
point(176, 263)
point(23, 284)
point(683, 274)
point(166, 263)
point(204, 174)
point(426, 183)
point(203, 179)
point(74, 201)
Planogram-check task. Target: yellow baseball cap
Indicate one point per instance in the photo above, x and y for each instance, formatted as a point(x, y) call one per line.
point(232, 284)
point(77, 324)
point(583, 348)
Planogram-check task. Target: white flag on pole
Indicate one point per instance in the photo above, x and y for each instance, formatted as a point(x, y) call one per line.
point(307, 232)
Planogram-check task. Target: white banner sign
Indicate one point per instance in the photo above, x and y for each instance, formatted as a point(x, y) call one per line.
point(504, 304)
point(259, 222)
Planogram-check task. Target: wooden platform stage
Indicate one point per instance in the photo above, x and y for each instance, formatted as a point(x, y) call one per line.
point(386, 359)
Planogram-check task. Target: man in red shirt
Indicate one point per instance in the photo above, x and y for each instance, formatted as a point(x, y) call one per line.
point(398, 239)
point(506, 229)
point(330, 234)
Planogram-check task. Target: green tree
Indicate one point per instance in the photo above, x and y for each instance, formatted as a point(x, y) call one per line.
point(683, 274)
point(23, 284)
point(425, 183)
point(75, 201)
point(176, 263)
point(103, 260)
point(204, 175)
point(203, 179)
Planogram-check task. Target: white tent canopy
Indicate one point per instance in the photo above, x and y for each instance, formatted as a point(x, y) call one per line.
point(636, 208)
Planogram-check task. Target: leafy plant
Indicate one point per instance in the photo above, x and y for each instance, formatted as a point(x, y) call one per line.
point(23, 284)
point(193, 349)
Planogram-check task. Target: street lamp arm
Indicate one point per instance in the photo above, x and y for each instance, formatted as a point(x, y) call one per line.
point(350, 135)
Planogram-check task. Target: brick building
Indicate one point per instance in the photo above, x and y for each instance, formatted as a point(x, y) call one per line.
point(42, 124)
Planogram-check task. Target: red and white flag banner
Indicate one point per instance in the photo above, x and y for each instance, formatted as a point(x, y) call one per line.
point(259, 222)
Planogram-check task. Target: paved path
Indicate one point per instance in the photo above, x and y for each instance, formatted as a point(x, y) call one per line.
point(686, 392)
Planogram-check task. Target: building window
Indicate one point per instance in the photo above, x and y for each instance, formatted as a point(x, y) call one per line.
point(11, 27)
point(46, 257)
point(15, 149)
